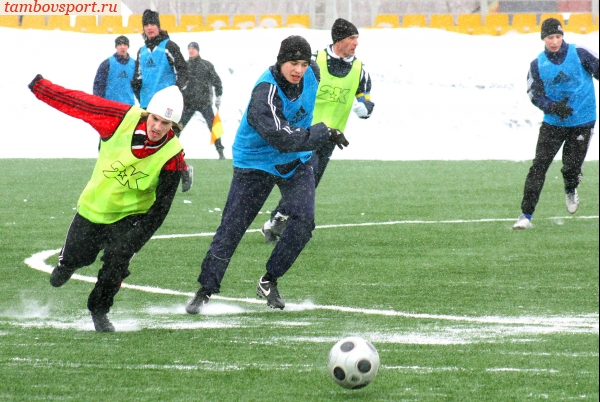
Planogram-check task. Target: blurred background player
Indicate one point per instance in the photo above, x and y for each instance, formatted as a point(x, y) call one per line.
point(130, 192)
point(343, 78)
point(560, 84)
point(114, 75)
point(272, 147)
point(198, 94)
point(159, 64)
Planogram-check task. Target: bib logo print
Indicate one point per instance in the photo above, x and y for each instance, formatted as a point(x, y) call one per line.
point(125, 175)
point(332, 94)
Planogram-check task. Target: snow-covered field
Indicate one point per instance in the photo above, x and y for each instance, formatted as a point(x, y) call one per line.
point(438, 95)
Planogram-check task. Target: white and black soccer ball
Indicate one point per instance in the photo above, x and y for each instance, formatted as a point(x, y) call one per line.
point(353, 362)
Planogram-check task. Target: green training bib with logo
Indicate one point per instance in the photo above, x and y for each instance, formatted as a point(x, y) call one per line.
point(123, 184)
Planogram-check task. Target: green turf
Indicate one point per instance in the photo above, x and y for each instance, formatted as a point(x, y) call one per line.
point(460, 306)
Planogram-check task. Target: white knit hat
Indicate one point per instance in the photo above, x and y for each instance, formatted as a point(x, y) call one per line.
point(167, 103)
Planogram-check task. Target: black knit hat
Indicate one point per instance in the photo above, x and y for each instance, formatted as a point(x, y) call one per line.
point(551, 26)
point(150, 17)
point(121, 40)
point(194, 45)
point(341, 29)
point(293, 48)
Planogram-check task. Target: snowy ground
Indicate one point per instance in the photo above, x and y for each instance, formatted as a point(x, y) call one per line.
point(438, 95)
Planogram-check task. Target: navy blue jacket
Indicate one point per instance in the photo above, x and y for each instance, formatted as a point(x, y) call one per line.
point(535, 86)
point(265, 115)
point(102, 74)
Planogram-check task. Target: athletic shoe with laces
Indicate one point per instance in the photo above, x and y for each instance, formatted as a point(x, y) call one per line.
point(267, 233)
point(61, 275)
point(522, 223)
point(200, 300)
point(278, 224)
point(572, 201)
point(187, 179)
point(269, 291)
point(101, 323)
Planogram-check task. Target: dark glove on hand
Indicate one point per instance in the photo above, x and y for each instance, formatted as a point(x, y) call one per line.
point(337, 137)
point(561, 109)
point(35, 80)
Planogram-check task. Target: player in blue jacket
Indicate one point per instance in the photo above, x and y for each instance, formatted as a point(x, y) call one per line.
point(114, 75)
point(273, 147)
point(560, 84)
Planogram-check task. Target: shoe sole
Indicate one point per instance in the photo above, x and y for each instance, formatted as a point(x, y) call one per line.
point(260, 294)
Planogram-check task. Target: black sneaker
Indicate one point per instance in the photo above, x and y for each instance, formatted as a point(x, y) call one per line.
point(61, 275)
point(269, 291)
point(101, 323)
point(187, 179)
point(200, 300)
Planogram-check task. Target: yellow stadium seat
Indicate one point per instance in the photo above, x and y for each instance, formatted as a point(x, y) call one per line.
point(33, 22)
point(524, 23)
point(414, 21)
point(217, 21)
point(190, 22)
point(168, 22)
point(244, 21)
point(545, 16)
point(134, 23)
point(581, 24)
point(468, 23)
point(9, 21)
point(60, 22)
point(87, 24)
point(297, 21)
point(387, 21)
point(495, 24)
point(442, 21)
point(271, 21)
point(112, 24)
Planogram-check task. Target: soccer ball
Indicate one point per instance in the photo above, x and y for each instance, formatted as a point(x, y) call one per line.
point(353, 362)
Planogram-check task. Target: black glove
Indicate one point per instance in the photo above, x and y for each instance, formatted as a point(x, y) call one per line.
point(337, 137)
point(35, 80)
point(561, 109)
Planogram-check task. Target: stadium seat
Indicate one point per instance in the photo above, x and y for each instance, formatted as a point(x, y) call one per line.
point(468, 23)
point(60, 22)
point(545, 16)
point(134, 24)
point(168, 22)
point(387, 21)
point(217, 21)
point(580, 23)
point(9, 21)
point(414, 21)
point(442, 21)
point(190, 22)
point(244, 21)
point(271, 21)
point(297, 21)
point(33, 22)
point(87, 24)
point(112, 24)
point(495, 24)
point(525, 23)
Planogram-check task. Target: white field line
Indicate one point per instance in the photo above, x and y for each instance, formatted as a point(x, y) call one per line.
point(37, 261)
point(345, 225)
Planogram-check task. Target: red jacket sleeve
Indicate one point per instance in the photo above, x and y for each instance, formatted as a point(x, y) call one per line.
point(102, 114)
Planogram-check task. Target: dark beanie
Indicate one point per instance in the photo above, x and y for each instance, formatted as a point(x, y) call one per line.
point(551, 26)
point(293, 48)
point(194, 45)
point(121, 40)
point(150, 17)
point(341, 29)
